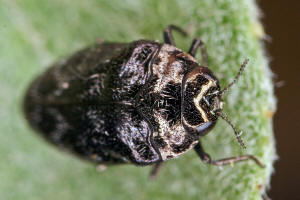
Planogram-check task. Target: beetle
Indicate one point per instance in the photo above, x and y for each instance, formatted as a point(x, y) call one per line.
point(142, 102)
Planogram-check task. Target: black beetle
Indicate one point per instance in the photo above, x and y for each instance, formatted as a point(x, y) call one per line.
point(141, 102)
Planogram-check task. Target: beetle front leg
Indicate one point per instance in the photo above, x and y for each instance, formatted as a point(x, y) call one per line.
point(168, 36)
point(225, 161)
point(194, 47)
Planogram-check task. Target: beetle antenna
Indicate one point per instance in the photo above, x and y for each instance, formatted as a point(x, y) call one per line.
point(236, 77)
point(237, 134)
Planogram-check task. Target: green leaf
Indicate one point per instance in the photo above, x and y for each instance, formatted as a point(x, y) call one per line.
point(34, 34)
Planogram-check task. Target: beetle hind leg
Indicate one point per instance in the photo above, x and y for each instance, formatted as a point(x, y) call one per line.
point(155, 169)
point(225, 161)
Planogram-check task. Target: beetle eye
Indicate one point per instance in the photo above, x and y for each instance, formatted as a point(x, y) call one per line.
point(209, 100)
point(205, 100)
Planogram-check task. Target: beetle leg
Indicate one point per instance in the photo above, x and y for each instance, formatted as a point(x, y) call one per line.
point(225, 161)
point(168, 37)
point(155, 170)
point(194, 47)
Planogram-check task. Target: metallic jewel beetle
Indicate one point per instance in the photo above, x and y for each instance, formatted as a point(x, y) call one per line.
point(141, 102)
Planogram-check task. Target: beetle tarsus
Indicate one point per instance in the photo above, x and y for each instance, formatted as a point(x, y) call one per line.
point(225, 161)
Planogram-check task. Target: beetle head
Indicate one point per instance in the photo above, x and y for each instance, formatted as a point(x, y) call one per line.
point(202, 102)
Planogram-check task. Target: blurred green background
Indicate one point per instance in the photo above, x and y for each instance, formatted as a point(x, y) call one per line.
point(34, 34)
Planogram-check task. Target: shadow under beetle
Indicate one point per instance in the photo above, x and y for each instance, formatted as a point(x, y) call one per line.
point(141, 102)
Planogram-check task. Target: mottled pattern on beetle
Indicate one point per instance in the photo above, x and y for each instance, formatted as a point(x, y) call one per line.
point(80, 76)
point(132, 70)
point(85, 103)
point(168, 70)
point(116, 103)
